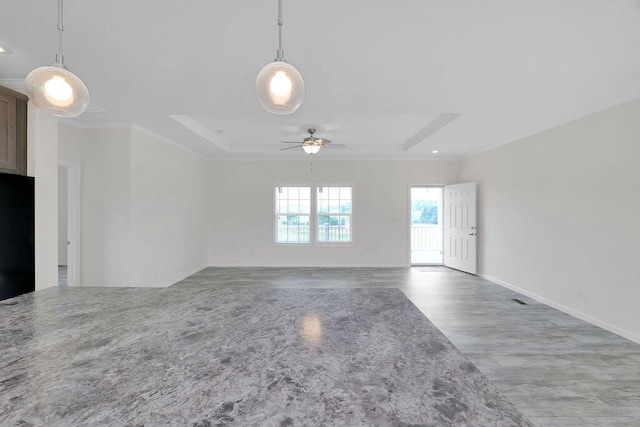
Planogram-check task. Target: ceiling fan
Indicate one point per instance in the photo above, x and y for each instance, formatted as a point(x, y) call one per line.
point(311, 144)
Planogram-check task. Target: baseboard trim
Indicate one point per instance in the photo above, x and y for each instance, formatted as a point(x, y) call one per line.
point(568, 310)
point(182, 277)
point(307, 266)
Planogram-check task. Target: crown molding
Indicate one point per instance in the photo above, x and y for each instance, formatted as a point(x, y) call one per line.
point(631, 96)
point(145, 131)
point(14, 84)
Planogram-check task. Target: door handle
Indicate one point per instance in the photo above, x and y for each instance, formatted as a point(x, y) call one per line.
point(472, 234)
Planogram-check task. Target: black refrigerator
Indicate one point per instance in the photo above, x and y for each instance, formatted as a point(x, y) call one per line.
point(17, 248)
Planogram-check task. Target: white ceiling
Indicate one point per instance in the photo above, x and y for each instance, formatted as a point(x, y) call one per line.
point(390, 79)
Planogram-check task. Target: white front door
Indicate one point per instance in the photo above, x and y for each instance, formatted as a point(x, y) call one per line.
point(460, 229)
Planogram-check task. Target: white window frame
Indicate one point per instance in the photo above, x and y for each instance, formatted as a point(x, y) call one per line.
point(317, 216)
point(276, 214)
point(313, 216)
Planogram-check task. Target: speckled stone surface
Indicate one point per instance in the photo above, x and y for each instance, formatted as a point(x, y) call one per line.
point(202, 355)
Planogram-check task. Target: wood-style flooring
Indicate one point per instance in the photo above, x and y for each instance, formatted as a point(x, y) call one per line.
point(558, 370)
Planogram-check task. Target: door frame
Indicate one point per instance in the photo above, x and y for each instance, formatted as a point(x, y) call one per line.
point(74, 225)
point(442, 215)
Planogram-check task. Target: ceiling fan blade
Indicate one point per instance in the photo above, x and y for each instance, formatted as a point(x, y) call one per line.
point(289, 148)
point(323, 141)
point(291, 142)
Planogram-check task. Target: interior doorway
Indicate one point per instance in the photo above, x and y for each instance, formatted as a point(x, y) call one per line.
point(426, 225)
point(63, 226)
point(69, 224)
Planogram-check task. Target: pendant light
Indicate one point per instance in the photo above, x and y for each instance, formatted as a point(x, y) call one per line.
point(279, 86)
point(56, 89)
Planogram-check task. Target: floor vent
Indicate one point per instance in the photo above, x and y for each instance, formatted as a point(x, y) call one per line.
point(519, 301)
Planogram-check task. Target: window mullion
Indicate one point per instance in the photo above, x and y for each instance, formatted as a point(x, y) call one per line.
point(313, 216)
point(328, 216)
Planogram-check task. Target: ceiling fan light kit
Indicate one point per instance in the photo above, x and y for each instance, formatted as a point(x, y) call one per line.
point(56, 89)
point(279, 86)
point(311, 148)
point(311, 144)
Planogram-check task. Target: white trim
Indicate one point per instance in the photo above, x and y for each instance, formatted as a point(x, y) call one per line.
point(441, 218)
point(313, 217)
point(132, 127)
point(14, 84)
point(142, 129)
point(94, 109)
point(74, 222)
point(301, 265)
point(434, 126)
point(111, 125)
point(19, 86)
point(555, 123)
point(71, 123)
point(408, 230)
point(179, 278)
point(200, 130)
point(274, 222)
point(568, 310)
point(316, 216)
point(409, 158)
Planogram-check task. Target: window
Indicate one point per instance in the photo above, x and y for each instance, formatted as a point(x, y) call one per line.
point(293, 210)
point(333, 205)
point(330, 210)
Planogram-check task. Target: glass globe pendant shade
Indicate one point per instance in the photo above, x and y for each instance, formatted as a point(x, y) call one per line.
point(57, 90)
point(311, 148)
point(279, 88)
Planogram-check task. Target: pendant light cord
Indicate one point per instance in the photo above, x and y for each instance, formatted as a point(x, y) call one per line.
point(59, 57)
point(280, 56)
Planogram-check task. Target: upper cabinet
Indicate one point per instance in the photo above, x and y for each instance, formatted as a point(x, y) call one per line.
point(13, 132)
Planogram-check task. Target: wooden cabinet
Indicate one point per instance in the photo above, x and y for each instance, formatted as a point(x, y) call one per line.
point(13, 132)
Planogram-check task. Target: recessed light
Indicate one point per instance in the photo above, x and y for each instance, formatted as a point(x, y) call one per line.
point(435, 151)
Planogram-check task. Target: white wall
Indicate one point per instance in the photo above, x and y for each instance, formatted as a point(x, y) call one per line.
point(42, 163)
point(69, 143)
point(70, 210)
point(106, 195)
point(168, 218)
point(560, 217)
point(143, 209)
point(62, 215)
point(242, 211)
